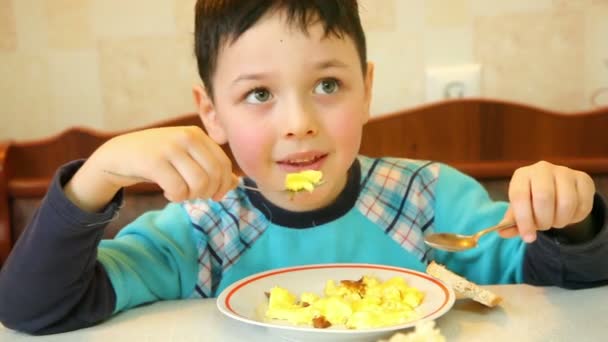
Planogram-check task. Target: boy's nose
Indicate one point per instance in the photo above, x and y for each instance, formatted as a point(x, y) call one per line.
point(301, 122)
point(296, 133)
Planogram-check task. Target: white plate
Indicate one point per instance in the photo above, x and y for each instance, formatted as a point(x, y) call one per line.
point(246, 301)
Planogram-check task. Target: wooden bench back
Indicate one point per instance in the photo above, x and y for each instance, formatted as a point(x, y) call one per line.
point(487, 139)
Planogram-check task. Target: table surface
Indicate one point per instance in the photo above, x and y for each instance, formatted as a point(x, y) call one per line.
point(527, 313)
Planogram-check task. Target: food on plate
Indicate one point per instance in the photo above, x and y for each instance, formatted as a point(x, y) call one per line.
point(304, 180)
point(424, 331)
point(364, 303)
point(462, 286)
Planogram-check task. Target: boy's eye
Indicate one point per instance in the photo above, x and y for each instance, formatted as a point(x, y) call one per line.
point(327, 86)
point(259, 95)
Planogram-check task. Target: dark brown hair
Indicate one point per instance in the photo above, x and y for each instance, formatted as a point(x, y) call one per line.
point(218, 22)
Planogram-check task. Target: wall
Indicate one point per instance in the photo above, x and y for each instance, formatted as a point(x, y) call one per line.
point(115, 64)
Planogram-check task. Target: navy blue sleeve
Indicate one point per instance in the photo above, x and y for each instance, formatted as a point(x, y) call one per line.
point(553, 260)
point(52, 281)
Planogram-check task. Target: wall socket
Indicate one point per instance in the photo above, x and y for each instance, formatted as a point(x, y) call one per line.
point(450, 82)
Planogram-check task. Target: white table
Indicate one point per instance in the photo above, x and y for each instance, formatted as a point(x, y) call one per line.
point(527, 314)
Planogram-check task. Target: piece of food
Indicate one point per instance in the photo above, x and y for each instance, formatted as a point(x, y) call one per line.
point(366, 303)
point(424, 331)
point(304, 180)
point(463, 286)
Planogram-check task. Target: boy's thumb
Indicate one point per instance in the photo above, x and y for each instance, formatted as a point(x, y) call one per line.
point(508, 232)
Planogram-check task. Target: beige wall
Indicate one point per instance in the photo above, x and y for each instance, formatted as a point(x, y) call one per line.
point(115, 64)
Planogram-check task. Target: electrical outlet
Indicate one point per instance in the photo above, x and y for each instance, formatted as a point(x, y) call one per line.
point(453, 82)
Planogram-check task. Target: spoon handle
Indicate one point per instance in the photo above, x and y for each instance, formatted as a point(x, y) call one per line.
point(501, 226)
point(284, 190)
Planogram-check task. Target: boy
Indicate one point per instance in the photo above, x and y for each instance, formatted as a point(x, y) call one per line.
point(287, 85)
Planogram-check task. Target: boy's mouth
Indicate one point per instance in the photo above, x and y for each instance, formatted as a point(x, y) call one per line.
point(302, 161)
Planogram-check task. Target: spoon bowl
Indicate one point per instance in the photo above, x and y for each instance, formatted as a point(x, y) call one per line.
point(456, 242)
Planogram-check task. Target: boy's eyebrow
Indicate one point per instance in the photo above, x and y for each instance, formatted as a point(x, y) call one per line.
point(332, 63)
point(326, 64)
point(250, 77)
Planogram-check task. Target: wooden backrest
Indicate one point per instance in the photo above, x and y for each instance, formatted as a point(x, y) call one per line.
point(487, 139)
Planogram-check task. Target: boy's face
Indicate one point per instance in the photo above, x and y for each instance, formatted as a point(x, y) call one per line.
point(288, 101)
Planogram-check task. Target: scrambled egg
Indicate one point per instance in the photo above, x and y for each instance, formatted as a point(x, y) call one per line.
point(304, 180)
point(366, 303)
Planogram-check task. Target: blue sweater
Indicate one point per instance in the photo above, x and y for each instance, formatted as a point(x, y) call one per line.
point(198, 248)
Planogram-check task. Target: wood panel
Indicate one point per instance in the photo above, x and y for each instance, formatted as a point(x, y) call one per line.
point(470, 131)
point(487, 139)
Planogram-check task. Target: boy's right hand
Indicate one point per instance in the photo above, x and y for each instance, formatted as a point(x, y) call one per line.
point(183, 161)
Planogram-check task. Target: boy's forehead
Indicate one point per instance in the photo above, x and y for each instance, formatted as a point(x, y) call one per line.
point(276, 45)
point(267, 41)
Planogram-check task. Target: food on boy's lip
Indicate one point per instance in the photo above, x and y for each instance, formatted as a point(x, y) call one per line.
point(365, 303)
point(304, 180)
point(462, 286)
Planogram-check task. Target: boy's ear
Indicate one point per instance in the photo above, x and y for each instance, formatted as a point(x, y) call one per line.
point(207, 113)
point(369, 82)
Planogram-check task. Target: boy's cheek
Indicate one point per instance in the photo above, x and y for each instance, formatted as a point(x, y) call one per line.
point(248, 149)
point(346, 130)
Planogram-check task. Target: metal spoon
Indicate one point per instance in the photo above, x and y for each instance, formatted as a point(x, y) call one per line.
point(455, 242)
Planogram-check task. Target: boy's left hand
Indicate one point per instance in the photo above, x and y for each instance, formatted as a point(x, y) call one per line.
point(544, 196)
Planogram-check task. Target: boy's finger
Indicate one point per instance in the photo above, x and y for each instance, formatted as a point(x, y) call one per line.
point(566, 199)
point(521, 205)
point(168, 178)
point(211, 166)
point(542, 187)
point(585, 188)
point(196, 178)
point(224, 166)
point(222, 190)
point(230, 182)
point(220, 156)
point(234, 181)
